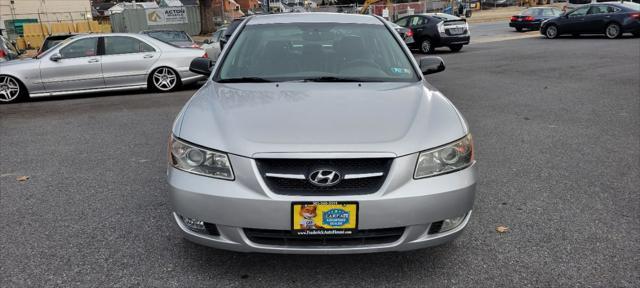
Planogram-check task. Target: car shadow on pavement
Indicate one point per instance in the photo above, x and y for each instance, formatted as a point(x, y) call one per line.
point(597, 36)
point(295, 269)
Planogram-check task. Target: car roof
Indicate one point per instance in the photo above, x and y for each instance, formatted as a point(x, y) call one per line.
point(315, 17)
point(440, 16)
point(135, 35)
point(162, 30)
point(62, 36)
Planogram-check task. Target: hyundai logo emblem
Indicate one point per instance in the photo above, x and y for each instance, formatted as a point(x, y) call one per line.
point(324, 177)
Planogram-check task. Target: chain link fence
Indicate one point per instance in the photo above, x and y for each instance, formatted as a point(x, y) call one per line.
point(398, 10)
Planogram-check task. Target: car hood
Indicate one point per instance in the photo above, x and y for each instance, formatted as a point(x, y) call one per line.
point(245, 119)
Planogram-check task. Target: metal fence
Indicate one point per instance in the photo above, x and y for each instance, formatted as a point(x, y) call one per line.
point(13, 23)
point(395, 11)
point(135, 20)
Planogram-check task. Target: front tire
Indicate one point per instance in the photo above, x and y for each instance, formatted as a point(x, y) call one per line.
point(519, 29)
point(11, 89)
point(613, 31)
point(455, 48)
point(426, 46)
point(551, 32)
point(164, 79)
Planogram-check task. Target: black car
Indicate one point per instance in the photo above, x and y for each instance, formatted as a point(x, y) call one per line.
point(532, 18)
point(405, 33)
point(611, 19)
point(432, 30)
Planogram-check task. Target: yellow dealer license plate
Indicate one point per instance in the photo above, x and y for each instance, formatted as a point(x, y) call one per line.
point(324, 218)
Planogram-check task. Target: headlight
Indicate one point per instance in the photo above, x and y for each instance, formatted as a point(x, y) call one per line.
point(451, 157)
point(197, 160)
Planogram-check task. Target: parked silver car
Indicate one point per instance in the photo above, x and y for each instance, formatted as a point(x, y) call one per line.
point(318, 133)
point(94, 62)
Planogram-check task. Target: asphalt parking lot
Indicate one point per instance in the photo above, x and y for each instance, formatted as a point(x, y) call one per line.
point(557, 131)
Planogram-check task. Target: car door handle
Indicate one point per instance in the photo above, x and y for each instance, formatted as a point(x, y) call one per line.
point(148, 56)
point(94, 60)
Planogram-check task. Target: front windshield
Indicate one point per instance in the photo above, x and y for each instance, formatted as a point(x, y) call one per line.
point(316, 52)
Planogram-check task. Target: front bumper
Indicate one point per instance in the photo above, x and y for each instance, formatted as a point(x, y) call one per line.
point(454, 40)
point(247, 203)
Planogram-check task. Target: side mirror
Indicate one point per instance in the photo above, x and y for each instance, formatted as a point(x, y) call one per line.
point(431, 64)
point(201, 66)
point(55, 57)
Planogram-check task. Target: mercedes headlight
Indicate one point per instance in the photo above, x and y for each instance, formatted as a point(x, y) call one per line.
point(198, 160)
point(448, 158)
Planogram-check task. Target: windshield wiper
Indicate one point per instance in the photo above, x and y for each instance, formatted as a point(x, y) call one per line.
point(245, 80)
point(333, 79)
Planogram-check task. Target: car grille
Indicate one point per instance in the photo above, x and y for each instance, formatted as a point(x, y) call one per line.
point(304, 167)
point(288, 238)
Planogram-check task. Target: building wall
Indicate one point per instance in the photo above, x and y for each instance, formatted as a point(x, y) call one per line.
point(231, 8)
point(45, 10)
point(247, 5)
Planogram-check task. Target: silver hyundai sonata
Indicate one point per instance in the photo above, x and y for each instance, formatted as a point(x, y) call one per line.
point(98, 62)
point(318, 133)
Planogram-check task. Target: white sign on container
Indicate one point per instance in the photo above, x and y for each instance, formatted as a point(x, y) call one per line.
point(172, 15)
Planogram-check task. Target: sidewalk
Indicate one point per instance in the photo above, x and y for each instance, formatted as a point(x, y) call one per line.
point(496, 14)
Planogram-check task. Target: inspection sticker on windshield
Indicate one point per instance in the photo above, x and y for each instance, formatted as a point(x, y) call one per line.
point(397, 70)
point(324, 218)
